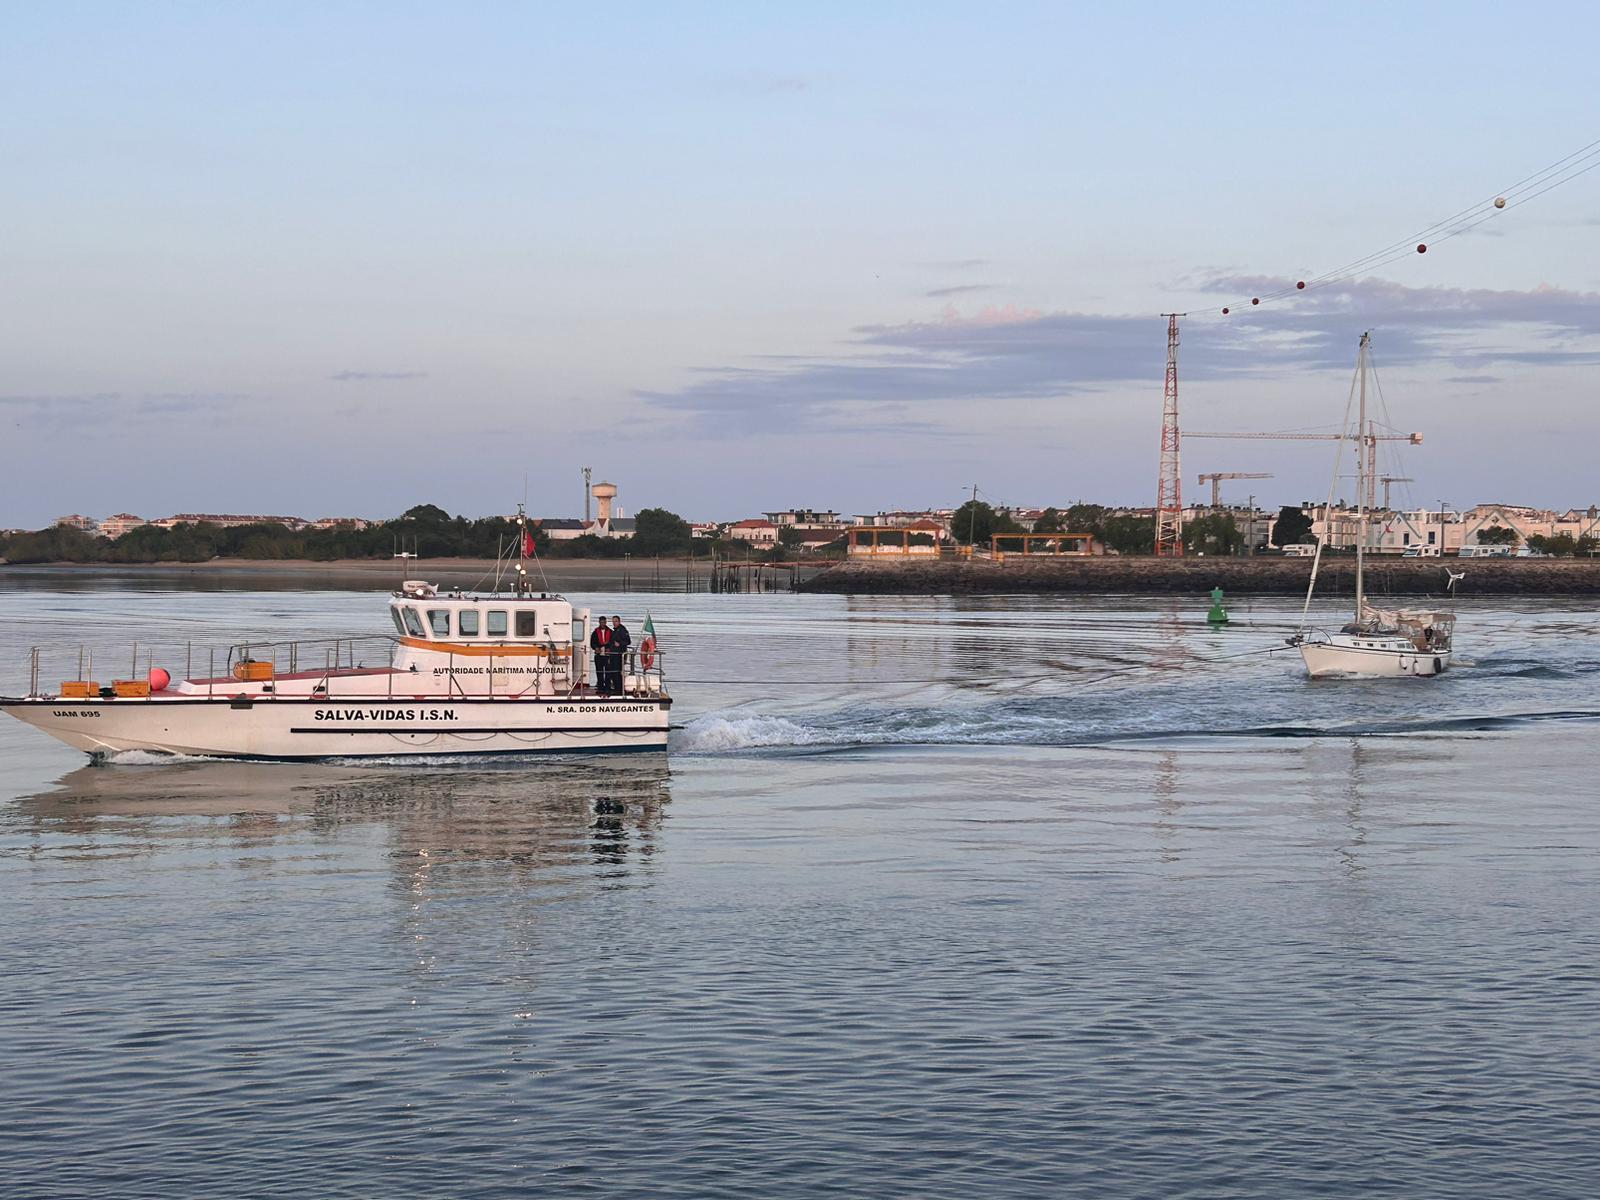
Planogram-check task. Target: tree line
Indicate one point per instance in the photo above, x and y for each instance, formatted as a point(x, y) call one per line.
point(425, 530)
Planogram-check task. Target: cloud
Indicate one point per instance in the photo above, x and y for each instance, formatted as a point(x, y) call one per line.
point(375, 376)
point(957, 264)
point(959, 289)
point(1472, 379)
point(1010, 354)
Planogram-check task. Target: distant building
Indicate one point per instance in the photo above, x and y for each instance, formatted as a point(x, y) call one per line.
point(229, 520)
point(812, 540)
point(352, 523)
point(562, 529)
point(900, 518)
point(919, 538)
point(115, 527)
point(806, 518)
point(756, 531)
point(82, 523)
point(705, 529)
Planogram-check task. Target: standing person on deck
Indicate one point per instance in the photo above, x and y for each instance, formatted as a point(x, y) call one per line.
point(620, 641)
point(600, 647)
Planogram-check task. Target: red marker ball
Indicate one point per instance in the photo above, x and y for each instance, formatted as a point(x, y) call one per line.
point(1301, 285)
point(1224, 312)
point(1255, 300)
point(1422, 247)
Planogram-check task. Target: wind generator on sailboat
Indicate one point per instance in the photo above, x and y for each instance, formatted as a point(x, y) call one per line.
point(1389, 642)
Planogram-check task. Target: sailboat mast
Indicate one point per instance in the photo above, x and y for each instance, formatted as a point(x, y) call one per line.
point(1361, 486)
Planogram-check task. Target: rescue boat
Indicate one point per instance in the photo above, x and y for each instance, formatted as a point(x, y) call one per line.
point(463, 674)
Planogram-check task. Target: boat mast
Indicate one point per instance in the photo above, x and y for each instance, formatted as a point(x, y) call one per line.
point(1361, 484)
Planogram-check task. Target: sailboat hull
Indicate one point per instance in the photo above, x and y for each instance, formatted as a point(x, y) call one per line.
point(1348, 657)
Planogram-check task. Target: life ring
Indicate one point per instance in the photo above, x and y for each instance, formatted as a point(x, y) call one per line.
point(647, 653)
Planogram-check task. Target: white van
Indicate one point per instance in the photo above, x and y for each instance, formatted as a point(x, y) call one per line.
point(1486, 551)
point(1420, 552)
point(1300, 550)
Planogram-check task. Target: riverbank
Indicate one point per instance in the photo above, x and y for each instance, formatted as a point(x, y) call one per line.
point(1237, 576)
point(383, 574)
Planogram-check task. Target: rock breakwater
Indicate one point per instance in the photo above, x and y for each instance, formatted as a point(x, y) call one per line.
point(1238, 576)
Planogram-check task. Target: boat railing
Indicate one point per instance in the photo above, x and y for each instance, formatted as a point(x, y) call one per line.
point(312, 654)
point(325, 663)
point(648, 671)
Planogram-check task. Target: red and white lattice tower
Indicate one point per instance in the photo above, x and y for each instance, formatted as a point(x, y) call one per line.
point(1169, 490)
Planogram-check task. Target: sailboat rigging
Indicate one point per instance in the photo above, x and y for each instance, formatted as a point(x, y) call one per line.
point(1377, 641)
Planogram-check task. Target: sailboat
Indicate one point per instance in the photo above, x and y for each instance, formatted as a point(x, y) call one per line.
point(1386, 642)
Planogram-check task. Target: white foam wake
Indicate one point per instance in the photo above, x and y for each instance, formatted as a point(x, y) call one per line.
point(149, 758)
point(713, 734)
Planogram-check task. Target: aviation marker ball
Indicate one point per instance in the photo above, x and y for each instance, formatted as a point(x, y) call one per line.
point(1499, 201)
point(1301, 285)
point(1422, 247)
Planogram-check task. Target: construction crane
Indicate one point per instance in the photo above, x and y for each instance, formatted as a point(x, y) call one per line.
point(1386, 480)
point(1215, 478)
point(1368, 442)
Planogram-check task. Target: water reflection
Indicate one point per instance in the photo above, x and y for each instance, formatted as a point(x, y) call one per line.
point(541, 817)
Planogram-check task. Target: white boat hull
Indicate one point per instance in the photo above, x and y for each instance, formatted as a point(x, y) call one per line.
point(302, 728)
point(1338, 657)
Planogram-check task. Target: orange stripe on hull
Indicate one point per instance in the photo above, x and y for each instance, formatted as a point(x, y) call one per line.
point(484, 651)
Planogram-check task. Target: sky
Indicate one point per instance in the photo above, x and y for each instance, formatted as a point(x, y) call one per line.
point(342, 258)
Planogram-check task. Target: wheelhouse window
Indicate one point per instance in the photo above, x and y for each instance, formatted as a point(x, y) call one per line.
point(399, 625)
point(439, 618)
point(527, 623)
point(413, 622)
point(467, 622)
point(496, 622)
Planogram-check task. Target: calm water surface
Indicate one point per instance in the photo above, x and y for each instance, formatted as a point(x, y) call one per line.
point(933, 898)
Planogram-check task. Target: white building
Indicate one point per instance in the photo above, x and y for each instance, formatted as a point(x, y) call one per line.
point(806, 518)
point(756, 531)
point(76, 521)
point(115, 526)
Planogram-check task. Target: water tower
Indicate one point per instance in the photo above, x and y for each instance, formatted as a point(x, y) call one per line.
point(604, 494)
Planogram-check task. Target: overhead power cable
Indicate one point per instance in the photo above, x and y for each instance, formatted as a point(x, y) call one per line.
point(1563, 170)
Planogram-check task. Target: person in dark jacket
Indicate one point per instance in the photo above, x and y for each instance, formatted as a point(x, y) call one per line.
point(620, 641)
point(600, 647)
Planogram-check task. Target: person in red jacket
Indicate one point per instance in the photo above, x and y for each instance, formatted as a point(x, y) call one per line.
point(600, 645)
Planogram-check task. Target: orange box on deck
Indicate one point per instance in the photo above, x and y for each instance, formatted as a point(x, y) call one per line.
point(129, 688)
point(79, 689)
point(252, 672)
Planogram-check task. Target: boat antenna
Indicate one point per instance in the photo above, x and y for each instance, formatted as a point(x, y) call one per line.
point(527, 548)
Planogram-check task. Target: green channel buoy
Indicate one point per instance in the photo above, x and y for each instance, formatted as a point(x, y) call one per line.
point(1218, 615)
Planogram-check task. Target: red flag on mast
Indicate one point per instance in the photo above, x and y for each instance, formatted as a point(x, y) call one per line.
point(527, 542)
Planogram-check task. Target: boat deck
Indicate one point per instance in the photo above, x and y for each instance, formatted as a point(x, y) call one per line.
point(293, 676)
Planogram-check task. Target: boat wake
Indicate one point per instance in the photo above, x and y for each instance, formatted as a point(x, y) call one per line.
point(728, 733)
